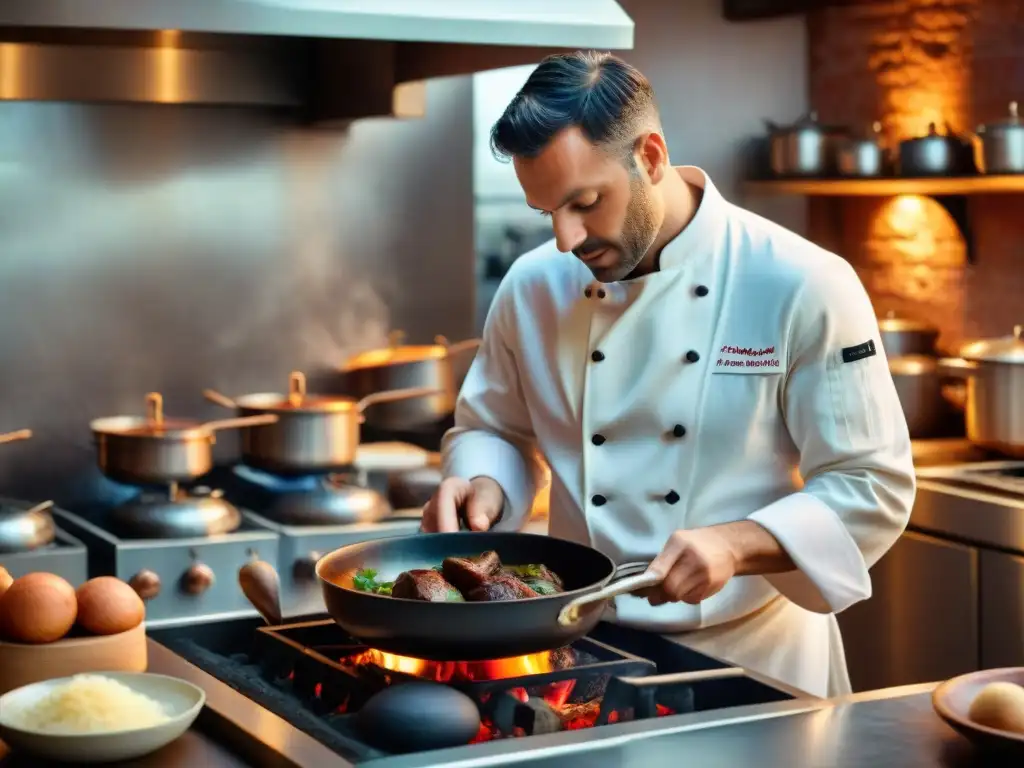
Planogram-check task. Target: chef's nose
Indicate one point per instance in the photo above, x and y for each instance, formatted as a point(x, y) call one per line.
point(569, 230)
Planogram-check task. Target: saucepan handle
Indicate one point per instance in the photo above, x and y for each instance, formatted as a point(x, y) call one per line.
point(629, 577)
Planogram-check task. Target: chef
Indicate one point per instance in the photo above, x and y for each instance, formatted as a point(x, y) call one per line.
point(672, 358)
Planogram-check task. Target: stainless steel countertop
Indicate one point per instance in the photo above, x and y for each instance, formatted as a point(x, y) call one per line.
point(879, 729)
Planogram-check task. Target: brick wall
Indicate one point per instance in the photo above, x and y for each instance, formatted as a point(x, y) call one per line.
point(907, 63)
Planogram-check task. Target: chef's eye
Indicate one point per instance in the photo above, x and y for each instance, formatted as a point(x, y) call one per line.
point(587, 206)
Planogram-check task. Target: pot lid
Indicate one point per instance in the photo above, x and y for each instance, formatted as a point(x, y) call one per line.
point(912, 365)
point(25, 526)
point(140, 426)
point(891, 323)
point(1011, 122)
point(1005, 349)
point(397, 353)
point(297, 400)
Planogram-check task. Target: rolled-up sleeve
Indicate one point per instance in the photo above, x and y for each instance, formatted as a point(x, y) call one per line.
point(493, 435)
point(843, 414)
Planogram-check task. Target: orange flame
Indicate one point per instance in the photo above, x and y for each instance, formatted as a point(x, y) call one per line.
point(446, 671)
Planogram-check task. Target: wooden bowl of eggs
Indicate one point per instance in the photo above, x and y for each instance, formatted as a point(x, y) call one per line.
point(986, 707)
point(48, 629)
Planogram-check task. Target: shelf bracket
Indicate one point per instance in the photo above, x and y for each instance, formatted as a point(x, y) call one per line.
point(957, 208)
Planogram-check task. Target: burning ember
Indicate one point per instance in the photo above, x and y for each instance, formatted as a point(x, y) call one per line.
point(556, 696)
point(466, 671)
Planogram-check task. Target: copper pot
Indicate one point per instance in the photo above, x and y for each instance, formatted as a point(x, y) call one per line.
point(312, 434)
point(400, 366)
point(153, 450)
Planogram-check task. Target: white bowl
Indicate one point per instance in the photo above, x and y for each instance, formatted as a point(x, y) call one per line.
point(182, 700)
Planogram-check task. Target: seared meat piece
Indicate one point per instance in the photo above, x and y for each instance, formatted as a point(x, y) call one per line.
point(504, 586)
point(539, 578)
point(468, 573)
point(425, 584)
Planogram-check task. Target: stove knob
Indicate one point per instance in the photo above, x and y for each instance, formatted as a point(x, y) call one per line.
point(305, 567)
point(197, 579)
point(146, 584)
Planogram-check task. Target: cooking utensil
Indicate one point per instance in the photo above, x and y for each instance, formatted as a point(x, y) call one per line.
point(994, 371)
point(936, 154)
point(903, 336)
point(470, 631)
point(262, 588)
point(400, 366)
point(952, 702)
point(176, 514)
point(10, 437)
point(182, 701)
point(154, 450)
point(861, 156)
point(805, 148)
point(1002, 144)
point(311, 434)
point(23, 529)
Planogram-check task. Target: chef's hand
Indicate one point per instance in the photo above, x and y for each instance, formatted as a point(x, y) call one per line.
point(480, 500)
point(695, 563)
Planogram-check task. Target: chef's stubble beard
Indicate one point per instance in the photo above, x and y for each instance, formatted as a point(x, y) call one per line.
point(639, 231)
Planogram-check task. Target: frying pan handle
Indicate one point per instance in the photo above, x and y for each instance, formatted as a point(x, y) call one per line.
point(629, 577)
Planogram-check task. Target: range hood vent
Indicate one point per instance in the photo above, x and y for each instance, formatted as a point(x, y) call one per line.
point(331, 59)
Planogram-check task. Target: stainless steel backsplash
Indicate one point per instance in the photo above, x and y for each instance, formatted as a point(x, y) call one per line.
point(171, 249)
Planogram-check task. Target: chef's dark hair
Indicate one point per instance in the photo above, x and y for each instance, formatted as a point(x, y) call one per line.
point(609, 100)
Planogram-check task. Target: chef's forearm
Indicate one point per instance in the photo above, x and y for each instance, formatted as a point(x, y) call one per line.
point(756, 551)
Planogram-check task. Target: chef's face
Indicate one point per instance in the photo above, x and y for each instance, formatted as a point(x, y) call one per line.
point(603, 208)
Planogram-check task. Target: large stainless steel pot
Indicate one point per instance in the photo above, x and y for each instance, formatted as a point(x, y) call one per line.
point(902, 336)
point(994, 370)
point(401, 366)
point(313, 434)
point(805, 148)
point(1002, 144)
point(152, 450)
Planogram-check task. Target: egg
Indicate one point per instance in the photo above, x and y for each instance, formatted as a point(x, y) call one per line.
point(5, 580)
point(37, 608)
point(108, 606)
point(999, 706)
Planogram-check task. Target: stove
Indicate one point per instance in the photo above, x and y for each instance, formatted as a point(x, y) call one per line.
point(979, 503)
point(328, 685)
point(65, 556)
point(288, 522)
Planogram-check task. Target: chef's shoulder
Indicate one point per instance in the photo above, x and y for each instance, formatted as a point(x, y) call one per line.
point(542, 277)
point(818, 291)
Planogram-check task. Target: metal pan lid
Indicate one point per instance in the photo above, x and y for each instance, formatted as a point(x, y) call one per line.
point(892, 323)
point(140, 426)
point(275, 402)
point(1005, 349)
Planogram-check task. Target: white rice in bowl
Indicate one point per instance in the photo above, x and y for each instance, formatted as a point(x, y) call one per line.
point(89, 704)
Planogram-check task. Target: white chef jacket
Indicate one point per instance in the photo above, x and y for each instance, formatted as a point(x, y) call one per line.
point(683, 399)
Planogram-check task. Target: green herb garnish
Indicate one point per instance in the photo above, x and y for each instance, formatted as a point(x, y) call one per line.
point(366, 581)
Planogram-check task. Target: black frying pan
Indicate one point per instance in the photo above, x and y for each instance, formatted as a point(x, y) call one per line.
point(473, 631)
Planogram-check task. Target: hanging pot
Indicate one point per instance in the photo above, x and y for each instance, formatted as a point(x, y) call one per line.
point(152, 450)
point(902, 336)
point(311, 434)
point(1002, 144)
point(994, 370)
point(401, 366)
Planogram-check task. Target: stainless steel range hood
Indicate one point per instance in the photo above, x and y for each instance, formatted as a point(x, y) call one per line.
point(333, 58)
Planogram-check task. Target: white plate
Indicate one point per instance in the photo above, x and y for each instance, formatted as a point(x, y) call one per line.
point(182, 700)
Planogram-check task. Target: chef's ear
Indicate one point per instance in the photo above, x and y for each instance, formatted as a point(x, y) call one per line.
point(652, 154)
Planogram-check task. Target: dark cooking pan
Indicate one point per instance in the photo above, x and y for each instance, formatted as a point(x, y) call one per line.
point(471, 631)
